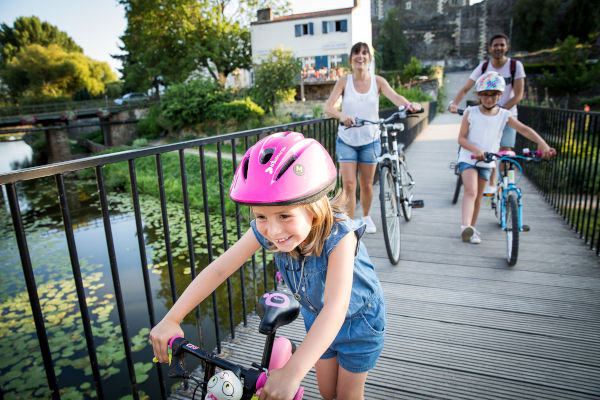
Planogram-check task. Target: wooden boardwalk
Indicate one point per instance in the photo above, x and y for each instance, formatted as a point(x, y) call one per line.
point(462, 324)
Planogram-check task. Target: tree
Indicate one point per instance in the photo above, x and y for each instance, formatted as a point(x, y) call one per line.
point(38, 74)
point(30, 30)
point(536, 30)
point(156, 41)
point(275, 78)
point(391, 42)
point(166, 40)
point(582, 20)
point(573, 75)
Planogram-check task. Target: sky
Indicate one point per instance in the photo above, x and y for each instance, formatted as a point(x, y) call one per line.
point(96, 25)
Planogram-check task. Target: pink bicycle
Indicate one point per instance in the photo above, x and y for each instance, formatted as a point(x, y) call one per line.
point(226, 380)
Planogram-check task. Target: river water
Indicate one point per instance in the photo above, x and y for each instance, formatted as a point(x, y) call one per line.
point(50, 258)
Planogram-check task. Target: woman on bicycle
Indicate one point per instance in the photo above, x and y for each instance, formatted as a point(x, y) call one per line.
point(480, 132)
point(360, 147)
point(285, 179)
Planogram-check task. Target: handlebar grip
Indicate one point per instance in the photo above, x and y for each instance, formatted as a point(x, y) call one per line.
point(173, 339)
point(262, 379)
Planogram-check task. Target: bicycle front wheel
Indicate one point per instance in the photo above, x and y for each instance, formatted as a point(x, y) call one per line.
point(457, 189)
point(406, 194)
point(512, 229)
point(390, 213)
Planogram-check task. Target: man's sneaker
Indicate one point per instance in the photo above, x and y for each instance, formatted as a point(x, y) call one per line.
point(466, 232)
point(489, 191)
point(371, 228)
point(475, 237)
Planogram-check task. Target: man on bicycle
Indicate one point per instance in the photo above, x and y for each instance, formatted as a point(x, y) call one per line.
point(514, 75)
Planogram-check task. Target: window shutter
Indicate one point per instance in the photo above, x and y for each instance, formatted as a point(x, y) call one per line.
point(344, 25)
point(324, 27)
point(298, 30)
point(311, 29)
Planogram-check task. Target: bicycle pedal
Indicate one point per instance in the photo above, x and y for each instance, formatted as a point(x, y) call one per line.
point(488, 195)
point(417, 204)
point(525, 228)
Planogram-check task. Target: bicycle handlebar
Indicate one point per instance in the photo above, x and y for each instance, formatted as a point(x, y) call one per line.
point(512, 157)
point(402, 112)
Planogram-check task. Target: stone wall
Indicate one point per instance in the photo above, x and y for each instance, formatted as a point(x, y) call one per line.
point(450, 32)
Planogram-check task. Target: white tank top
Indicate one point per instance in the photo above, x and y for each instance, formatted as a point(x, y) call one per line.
point(361, 105)
point(485, 132)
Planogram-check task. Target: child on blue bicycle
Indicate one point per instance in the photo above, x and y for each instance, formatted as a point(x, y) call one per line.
point(480, 132)
point(285, 179)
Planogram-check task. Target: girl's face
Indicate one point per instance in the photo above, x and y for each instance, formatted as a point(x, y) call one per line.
point(285, 226)
point(489, 98)
point(360, 59)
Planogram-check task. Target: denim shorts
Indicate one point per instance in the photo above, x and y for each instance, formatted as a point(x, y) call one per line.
point(360, 340)
point(365, 154)
point(509, 136)
point(483, 172)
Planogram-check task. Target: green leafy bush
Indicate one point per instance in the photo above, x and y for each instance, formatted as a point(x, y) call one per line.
point(411, 94)
point(238, 110)
point(149, 126)
point(187, 104)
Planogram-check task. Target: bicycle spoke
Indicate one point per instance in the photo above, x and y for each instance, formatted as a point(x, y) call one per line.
point(390, 214)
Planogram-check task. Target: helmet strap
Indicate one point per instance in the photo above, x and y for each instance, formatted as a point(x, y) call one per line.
point(488, 108)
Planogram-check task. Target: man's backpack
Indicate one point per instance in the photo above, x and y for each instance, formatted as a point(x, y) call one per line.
point(513, 69)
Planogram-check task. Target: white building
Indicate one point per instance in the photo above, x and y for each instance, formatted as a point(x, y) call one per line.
point(320, 39)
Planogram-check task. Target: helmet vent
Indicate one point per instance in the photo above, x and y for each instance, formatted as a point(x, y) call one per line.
point(266, 155)
point(285, 166)
point(245, 167)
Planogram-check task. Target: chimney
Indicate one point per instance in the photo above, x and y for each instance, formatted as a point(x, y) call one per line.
point(266, 14)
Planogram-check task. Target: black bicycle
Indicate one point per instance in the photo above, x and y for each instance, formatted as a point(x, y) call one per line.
point(224, 379)
point(454, 166)
point(395, 182)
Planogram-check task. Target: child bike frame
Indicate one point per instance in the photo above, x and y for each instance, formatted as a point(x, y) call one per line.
point(508, 206)
point(278, 309)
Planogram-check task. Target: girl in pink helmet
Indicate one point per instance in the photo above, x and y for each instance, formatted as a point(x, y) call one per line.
point(480, 132)
point(285, 179)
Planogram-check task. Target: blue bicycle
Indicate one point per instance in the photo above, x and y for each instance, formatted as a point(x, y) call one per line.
point(507, 204)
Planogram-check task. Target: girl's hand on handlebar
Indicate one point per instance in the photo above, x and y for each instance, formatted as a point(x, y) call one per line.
point(160, 336)
point(279, 386)
point(547, 151)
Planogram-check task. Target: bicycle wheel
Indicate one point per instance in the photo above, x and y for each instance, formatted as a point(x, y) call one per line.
point(390, 214)
point(406, 195)
point(457, 189)
point(512, 229)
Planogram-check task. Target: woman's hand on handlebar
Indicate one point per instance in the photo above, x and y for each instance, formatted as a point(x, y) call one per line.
point(478, 155)
point(160, 336)
point(413, 107)
point(347, 121)
point(280, 386)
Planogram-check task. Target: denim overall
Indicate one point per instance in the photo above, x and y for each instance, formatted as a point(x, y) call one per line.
point(360, 340)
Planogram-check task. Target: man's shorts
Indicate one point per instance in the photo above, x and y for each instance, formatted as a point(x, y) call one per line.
point(481, 171)
point(509, 135)
point(365, 154)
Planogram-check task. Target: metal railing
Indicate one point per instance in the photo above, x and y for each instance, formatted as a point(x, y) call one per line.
point(570, 182)
point(324, 130)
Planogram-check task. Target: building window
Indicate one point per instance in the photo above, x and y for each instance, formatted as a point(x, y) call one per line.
point(304, 29)
point(408, 5)
point(335, 61)
point(335, 26)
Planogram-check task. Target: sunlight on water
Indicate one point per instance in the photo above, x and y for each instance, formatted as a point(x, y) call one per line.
point(13, 154)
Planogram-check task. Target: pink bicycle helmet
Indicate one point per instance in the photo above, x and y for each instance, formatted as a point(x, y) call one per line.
point(281, 169)
point(490, 81)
